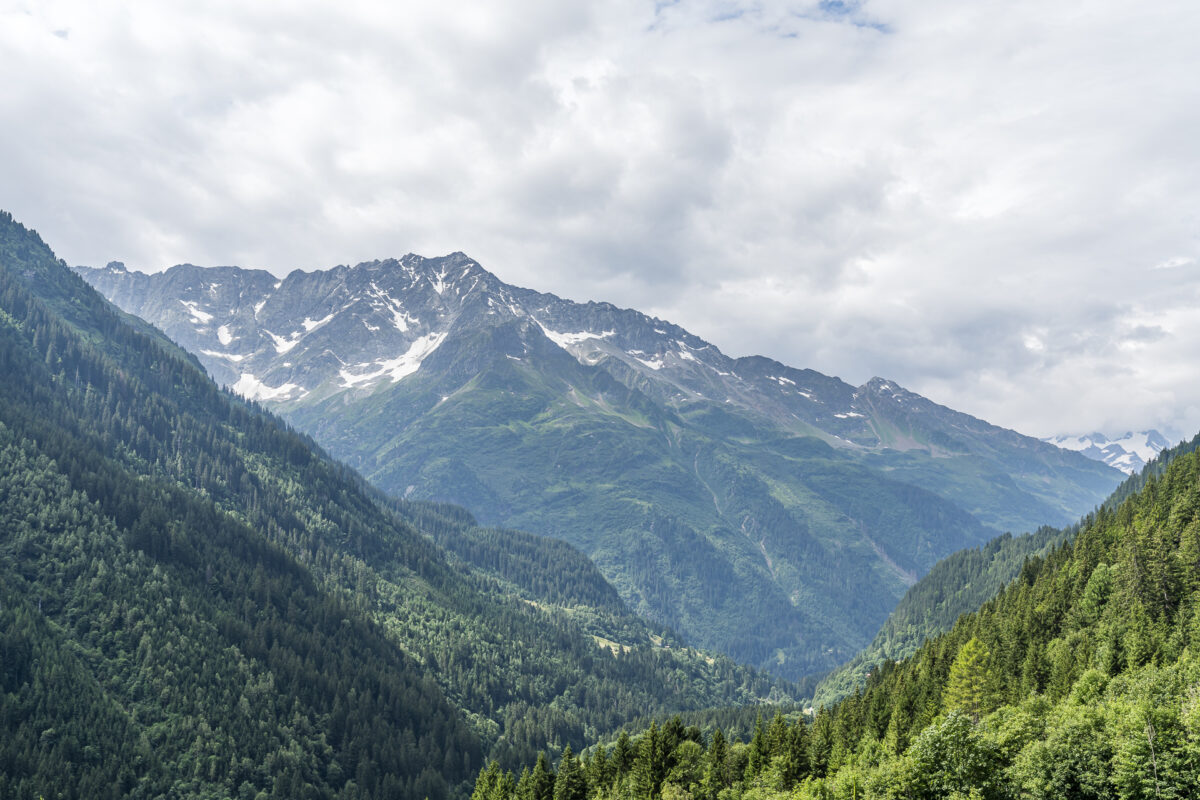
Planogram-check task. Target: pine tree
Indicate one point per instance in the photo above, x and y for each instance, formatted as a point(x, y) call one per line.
point(571, 784)
point(485, 784)
point(968, 687)
point(650, 766)
point(599, 768)
point(525, 785)
point(714, 770)
point(759, 751)
point(623, 755)
point(795, 754)
point(541, 780)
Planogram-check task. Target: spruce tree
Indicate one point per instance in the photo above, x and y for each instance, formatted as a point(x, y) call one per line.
point(541, 780)
point(571, 784)
point(714, 769)
point(650, 767)
point(623, 755)
point(967, 689)
point(759, 751)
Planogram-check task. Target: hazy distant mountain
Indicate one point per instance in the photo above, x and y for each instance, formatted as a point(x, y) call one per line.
point(1128, 453)
point(774, 513)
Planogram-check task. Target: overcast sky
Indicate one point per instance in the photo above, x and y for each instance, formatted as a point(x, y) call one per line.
point(995, 203)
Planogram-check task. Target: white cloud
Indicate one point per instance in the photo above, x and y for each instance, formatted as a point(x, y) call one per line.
point(994, 203)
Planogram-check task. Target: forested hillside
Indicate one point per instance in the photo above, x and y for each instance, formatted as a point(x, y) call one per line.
point(197, 602)
point(963, 581)
point(957, 585)
point(1081, 679)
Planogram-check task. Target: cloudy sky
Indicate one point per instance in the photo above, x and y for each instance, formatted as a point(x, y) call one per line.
point(993, 202)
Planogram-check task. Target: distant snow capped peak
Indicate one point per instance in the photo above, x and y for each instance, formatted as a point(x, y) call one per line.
point(1129, 452)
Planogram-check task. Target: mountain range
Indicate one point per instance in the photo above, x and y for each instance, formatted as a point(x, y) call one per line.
point(1128, 453)
point(713, 492)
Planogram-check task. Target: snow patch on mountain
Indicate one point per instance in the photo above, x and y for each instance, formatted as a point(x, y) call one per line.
point(395, 368)
point(566, 340)
point(656, 363)
point(390, 305)
point(439, 285)
point(198, 316)
point(223, 335)
point(251, 388)
point(312, 324)
point(227, 356)
point(282, 345)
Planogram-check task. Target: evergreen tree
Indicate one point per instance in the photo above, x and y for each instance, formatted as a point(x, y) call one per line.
point(794, 758)
point(487, 782)
point(599, 768)
point(760, 751)
point(542, 780)
point(968, 688)
point(715, 776)
point(525, 785)
point(650, 766)
point(624, 755)
point(571, 784)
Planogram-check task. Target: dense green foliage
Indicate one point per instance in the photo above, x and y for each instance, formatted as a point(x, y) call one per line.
point(1080, 679)
point(964, 581)
point(958, 584)
point(539, 567)
point(197, 602)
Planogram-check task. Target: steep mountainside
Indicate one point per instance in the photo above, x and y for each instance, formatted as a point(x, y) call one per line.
point(962, 582)
point(711, 491)
point(195, 601)
point(958, 584)
point(1128, 453)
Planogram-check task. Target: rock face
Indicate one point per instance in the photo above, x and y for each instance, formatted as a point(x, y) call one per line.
point(1128, 453)
point(774, 513)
